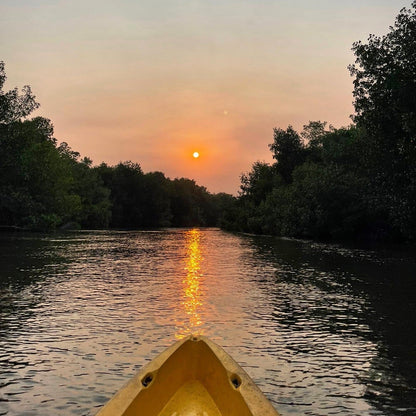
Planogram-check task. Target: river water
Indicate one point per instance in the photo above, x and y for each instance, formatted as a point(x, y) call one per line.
point(322, 329)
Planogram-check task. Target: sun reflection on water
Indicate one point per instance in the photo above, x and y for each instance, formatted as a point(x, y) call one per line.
point(191, 295)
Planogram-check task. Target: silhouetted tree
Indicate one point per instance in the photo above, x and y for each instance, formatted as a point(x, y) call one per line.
point(385, 105)
point(353, 182)
point(258, 182)
point(13, 105)
point(288, 150)
point(157, 212)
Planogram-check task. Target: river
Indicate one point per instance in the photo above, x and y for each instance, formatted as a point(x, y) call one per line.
point(322, 329)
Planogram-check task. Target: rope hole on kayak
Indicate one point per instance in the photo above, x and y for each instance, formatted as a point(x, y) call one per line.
point(147, 379)
point(236, 381)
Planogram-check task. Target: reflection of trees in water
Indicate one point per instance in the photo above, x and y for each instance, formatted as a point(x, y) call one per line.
point(26, 264)
point(367, 295)
point(26, 260)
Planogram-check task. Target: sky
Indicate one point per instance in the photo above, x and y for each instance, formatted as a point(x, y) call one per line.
point(153, 81)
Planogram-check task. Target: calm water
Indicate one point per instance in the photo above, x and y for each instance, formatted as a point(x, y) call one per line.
point(323, 330)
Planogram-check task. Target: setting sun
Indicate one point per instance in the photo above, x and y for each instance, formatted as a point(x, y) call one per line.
point(195, 155)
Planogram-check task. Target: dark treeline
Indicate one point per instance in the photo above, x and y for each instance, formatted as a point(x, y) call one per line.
point(357, 182)
point(44, 185)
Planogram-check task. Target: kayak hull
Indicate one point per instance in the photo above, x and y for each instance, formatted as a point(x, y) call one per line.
point(192, 377)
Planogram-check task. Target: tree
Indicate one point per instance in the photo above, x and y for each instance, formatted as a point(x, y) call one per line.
point(15, 106)
point(353, 182)
point(258, 182)
point(288, 150)
point(44, 185)
point(385, 105)
point(385, 80)
point(85, 182)
point(186, 199)
point(35, 185)
point(314, 131)
point(156, 205)
point(126, 184)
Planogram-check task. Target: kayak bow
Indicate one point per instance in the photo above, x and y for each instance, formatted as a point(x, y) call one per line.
point(192, 377)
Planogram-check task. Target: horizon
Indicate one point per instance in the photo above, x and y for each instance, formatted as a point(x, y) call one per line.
point(155, 82)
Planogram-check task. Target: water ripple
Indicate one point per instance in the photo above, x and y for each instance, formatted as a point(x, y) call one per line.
point(314, 325)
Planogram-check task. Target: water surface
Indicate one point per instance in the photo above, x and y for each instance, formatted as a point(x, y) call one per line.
point(322, 329)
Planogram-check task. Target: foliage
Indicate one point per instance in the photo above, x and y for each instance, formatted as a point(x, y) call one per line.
point(350, 183)
point(329, 196)
point(385, 104)
point(151, 200)
point(288, 150)
point(258, 182)
point(44, 185)
point(15, 106)
point(385, 81)
point(356, 182)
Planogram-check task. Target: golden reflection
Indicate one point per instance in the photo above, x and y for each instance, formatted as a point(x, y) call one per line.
point(192, 301)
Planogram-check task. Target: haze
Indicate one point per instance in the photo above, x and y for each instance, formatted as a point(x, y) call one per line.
point(154, 81)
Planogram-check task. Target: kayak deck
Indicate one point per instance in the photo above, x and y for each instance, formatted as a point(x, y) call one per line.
point(194, 377)
point(192, 398)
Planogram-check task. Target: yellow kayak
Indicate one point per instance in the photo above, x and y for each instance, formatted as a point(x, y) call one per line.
point(192, 377)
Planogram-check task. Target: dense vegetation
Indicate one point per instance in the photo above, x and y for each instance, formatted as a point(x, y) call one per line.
point(349, 183)
point(44, 185)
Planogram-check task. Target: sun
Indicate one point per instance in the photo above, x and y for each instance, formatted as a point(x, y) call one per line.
point(195, 155)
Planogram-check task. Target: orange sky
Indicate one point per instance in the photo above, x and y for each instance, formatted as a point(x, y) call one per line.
point(154, 81)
